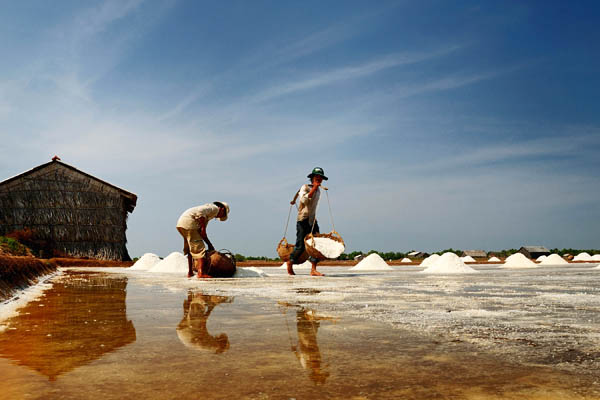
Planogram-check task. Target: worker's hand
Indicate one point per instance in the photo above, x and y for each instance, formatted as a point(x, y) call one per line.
point(292, 202)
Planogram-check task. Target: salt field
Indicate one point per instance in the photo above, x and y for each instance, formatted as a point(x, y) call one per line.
point(495, 334)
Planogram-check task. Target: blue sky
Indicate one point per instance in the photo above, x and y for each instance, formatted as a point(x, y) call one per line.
point(463, 124)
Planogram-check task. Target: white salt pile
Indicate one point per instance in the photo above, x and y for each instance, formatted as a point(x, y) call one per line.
point(541, 258)
point(328, 247)
point(494, 259)
point(449, 263)
point(406, 260)
point(249, 272)
point(596, 257)
point(372, 262)
point(468, 259)
point(518, 260)
point(583, 257)
point(428, 262)
point(174, 263)
point(554, 259)
point(305, 264)
point(145, 262)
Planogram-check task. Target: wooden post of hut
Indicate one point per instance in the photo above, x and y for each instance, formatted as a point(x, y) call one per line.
point(67, 212)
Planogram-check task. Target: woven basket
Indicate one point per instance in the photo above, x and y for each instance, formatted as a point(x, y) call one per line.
point(333, 235)
point(222, 264)
point(285, 250)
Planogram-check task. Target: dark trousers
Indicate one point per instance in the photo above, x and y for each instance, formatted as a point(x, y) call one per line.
point(302, 229)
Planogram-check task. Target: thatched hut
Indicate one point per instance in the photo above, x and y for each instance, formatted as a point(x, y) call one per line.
point(76, 213)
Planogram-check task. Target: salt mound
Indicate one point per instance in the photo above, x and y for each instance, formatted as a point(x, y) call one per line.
point(145, 262)
point(518, 260)
point(175, 263)
point(406, 260)
point(554, 259)
point(494, 259)
point(583, 257)
point(541, 258)
point(449, 263)
point(428, 262)
point(305, 264)
point(596, 257)
point(468, 259)
point(328, 247)
point(373, 262)
point(249, 272)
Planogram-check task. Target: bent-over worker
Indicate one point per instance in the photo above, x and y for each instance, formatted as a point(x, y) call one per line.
point(192, 226)
point(308, 199)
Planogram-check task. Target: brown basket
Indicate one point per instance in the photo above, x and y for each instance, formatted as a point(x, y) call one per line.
point(222, 265)
point(333, 235)
point(285, 250)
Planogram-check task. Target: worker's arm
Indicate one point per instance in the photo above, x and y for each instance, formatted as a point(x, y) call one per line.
point(202, 223)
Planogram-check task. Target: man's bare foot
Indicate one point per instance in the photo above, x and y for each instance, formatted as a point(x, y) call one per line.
point(314, 272)
point(190, 274)
point(290, 269)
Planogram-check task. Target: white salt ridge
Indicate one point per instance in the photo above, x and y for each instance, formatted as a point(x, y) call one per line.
point(541, 258)
point(10, 307)
point(145, 262)
point(449, 263)
point(429, 261)
point(174, 263)
point(328, 247)
point(494, 259)
point(518, 260)
point(372, 262)
point(305, 264)
point(249, 272)
point(468, 259)
point(596, 257)
point(554, 259)
point(583, 257)
point(406, 260)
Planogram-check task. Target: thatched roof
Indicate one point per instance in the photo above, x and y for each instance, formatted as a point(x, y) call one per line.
point(475, 253)
point(130, 198)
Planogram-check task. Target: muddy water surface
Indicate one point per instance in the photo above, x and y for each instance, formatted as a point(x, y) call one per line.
point(104, 336)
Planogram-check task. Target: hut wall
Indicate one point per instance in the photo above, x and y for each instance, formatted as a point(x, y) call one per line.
point(80, 216)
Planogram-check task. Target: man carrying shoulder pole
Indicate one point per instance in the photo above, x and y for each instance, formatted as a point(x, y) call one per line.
point(308, 199)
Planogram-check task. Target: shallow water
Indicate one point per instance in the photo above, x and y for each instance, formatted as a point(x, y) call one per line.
point(115, 335)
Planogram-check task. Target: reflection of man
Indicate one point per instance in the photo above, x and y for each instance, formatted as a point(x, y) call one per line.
point(192, 330)
point(307, 351)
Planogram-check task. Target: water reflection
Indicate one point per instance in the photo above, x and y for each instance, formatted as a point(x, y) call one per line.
point(307, 350)
point(192, 330)
point(79, 320)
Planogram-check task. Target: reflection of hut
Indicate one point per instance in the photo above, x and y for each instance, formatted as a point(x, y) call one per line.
point(192, 330)
point(80, 321)
point(534, 252)
point(70, 211)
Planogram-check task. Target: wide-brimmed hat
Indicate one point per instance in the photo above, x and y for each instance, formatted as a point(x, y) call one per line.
point(317, 171)
point(224, 205)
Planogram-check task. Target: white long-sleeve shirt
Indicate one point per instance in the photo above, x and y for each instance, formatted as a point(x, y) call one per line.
point(307, 207)
point(187, 220)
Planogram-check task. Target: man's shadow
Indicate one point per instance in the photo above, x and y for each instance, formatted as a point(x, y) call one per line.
point(192, 330)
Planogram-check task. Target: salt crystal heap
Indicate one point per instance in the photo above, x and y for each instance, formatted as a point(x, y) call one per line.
point(518, 260)
point(372, 262)
point(405, 260)
point(328, 247)
point(145, 262)
point(554, 259)
point(494, 259)
point(541, 258)
point(467, 259)
point(430, 260)
point(596, 257)
point(449, 263)
point(583, 257)
point(174, 263)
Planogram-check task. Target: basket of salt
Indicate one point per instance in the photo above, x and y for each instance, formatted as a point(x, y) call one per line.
point(324, 246)
point(285, 250)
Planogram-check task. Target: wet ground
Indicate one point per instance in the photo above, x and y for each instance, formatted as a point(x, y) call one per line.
point(528, 334)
